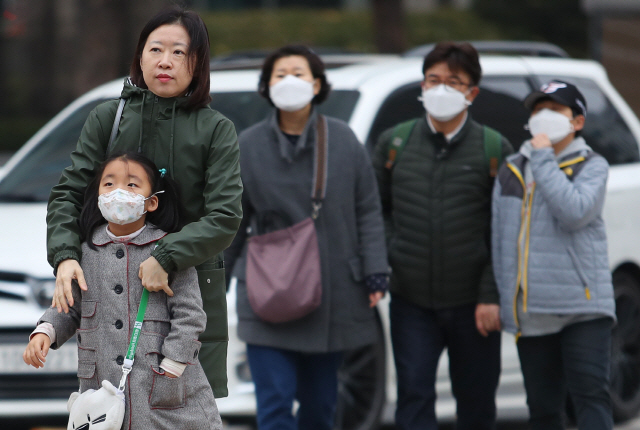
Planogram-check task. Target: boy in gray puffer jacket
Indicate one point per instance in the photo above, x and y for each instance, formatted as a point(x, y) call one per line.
point(551, 264)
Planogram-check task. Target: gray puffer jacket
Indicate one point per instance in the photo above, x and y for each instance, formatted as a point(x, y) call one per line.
point(551, 242)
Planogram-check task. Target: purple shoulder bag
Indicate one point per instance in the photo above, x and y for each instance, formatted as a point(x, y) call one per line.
point(284, 281)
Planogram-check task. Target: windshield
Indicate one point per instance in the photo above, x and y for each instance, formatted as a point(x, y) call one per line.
point(31, 180)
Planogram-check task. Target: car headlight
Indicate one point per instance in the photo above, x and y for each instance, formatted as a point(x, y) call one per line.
point(42, 290)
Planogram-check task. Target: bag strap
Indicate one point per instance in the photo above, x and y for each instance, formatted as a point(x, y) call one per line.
point(116, 123)
point(401, 134)
point(492, 150)
point(321, 160)
point(133, 344)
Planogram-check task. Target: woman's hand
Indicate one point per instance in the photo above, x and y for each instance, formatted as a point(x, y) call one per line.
point(153, 276)
point(169, 374)
point(37, 350)
point(68, 270)
point(374, 298)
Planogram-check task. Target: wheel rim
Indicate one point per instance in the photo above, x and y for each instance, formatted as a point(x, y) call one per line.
point(625, 352)
point(361, 389)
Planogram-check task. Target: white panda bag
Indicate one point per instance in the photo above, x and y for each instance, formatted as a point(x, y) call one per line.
point(101, 409)
point(104, 409)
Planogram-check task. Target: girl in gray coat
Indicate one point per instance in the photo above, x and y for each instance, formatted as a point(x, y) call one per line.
point(299, 359)
point(167, 388)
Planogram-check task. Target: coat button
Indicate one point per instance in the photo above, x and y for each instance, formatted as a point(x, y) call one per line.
point(79, 338)
point(118, 289)
point(195, 354)
point(119, 253)
point(118, 324)
point(119, 360)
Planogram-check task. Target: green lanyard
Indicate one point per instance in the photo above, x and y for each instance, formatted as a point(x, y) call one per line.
point(137, 326)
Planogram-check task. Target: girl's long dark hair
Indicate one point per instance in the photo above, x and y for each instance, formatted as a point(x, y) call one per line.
point(169, 215)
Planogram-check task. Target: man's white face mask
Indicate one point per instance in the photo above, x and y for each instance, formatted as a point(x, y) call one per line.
point(555, 125)
point(443, 103)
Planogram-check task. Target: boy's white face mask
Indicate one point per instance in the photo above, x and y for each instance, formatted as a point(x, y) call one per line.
point(555, 125)
point(291, 93)
point(444, 103)
point(121, 206)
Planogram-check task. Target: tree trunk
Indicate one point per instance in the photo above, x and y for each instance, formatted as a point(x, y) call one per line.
point(389, 26)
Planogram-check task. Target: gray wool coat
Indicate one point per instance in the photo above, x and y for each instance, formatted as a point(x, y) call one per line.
point(277, 178)
point(103, 319)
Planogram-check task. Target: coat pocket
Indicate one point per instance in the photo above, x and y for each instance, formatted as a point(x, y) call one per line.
point(356, 269)
point(580, 271)
point(166, 393)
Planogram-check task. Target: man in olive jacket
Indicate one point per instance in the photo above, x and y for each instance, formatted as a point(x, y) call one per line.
point(436, 199)
point(199, 150)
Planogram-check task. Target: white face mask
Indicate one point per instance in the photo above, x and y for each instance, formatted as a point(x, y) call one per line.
point(555, 125)
point(291, 93)
point(121, 206)
point(444, 103)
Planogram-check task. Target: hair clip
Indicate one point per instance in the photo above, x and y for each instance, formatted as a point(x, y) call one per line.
point(163, 172)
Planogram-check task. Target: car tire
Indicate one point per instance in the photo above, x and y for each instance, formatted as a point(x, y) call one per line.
point(625, 349)
point(362, 385)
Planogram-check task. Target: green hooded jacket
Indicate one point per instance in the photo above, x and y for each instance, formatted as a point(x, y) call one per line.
point(199, 150)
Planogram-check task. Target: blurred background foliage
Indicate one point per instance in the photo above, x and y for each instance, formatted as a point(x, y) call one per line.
point(30, 99)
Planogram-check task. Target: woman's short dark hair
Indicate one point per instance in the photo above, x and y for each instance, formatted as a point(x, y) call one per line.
point(198, 55)
point(458, 56)
point(315, 64)
point(168, 217)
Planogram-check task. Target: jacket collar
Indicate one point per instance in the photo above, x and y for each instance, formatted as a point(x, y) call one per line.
point(460, 135)
point(146, 236)
point(136, 95)
point(576, 147)
point(307, 138)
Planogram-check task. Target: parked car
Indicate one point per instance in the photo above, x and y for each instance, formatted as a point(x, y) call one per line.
point(371, 95)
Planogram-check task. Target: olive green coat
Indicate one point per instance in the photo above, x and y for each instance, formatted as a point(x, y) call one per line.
point(199, 149)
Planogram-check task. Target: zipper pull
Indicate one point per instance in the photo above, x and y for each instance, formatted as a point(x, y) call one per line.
point(587, 293)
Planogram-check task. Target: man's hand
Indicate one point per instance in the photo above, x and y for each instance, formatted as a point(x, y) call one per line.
point(37, 350)
point(68, 270)
point(487, 318)
point(153, 276)
point(540, 141)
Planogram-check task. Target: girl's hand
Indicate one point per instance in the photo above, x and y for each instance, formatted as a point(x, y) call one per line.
point(169, 374)
point(68, 270)
point(153, 276)
point(37, 350)
point(374, 298)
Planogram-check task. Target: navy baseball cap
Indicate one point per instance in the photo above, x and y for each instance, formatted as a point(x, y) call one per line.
point(561, 92)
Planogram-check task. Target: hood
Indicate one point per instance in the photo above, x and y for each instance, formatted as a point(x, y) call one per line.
point(23, 229)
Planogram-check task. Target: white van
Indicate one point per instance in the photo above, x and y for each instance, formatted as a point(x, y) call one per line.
point(372, 95)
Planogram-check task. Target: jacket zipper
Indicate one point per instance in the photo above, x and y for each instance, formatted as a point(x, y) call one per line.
point(520, 238)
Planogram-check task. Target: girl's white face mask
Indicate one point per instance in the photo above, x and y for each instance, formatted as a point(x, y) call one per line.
point(291, 93)
point(555, 125)
point(121, 206)
point(444, 103)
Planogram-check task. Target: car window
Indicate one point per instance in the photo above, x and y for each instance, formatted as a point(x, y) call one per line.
point(499, 105)
point(32, 179)
point(401, 105)
point(605, 130)
point(245, 108)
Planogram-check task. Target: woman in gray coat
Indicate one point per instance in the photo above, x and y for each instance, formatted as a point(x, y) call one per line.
point(299, 360)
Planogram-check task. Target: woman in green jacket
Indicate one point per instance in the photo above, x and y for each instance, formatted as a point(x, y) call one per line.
point(167, 117)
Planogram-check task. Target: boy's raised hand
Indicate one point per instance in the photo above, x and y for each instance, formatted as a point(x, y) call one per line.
point(37, 350)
